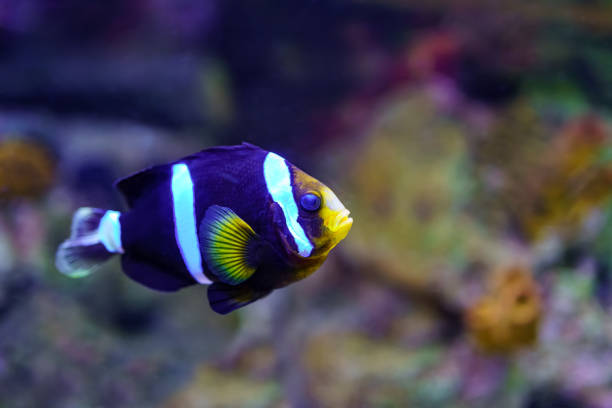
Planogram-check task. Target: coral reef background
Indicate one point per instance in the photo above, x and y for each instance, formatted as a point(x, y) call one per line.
point(471, 141)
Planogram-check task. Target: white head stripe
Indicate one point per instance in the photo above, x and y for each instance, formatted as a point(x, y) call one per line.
point(332, 201)
point(278, 182)
point(185, 222)
point(109, 232)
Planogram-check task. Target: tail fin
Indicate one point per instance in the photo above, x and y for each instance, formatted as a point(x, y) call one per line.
point(94, 238)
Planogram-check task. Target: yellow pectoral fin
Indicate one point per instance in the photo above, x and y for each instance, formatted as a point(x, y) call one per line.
point(225, 242)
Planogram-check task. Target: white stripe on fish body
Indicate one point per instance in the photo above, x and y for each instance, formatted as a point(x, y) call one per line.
point(109, 232)
point(278, 182)
point(185, 221)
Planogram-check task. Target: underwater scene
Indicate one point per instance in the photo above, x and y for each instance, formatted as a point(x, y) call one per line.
point(341, 203)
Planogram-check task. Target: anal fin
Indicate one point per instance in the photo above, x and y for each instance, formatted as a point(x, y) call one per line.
point(226, 298)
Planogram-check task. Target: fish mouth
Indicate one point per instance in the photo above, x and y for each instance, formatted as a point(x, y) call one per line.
point(341, 220)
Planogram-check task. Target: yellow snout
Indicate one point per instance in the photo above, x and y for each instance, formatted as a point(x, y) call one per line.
point(335, 217)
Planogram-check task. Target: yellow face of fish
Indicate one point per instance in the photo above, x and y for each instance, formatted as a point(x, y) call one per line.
point(322, 216)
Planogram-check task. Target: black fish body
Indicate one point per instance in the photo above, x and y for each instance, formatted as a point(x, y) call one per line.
point(237, 218)
point(221, 176)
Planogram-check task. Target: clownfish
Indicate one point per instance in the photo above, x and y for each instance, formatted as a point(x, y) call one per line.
point(240, 219)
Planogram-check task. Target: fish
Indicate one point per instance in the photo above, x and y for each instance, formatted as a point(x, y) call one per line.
point(242, 220)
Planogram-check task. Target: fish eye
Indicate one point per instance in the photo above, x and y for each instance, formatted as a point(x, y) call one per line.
point(310, 202)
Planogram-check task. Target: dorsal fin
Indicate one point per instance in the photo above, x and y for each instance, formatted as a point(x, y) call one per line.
point(134, 186)
point(243, 147)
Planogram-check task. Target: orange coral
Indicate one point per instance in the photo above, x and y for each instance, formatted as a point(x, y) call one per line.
point(573, 181)
point(27, 169)
point(540, 184)
point(508, 316)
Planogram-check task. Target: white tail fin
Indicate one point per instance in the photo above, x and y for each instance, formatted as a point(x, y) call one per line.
point(95, 237)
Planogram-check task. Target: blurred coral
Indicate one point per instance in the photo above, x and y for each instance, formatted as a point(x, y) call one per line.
point(542, 184)
point(214, 388)
point(574, 180)
point(27, 169)
point(434, 53)
point(407, 188)
point(348, 370)
point(507, 317)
